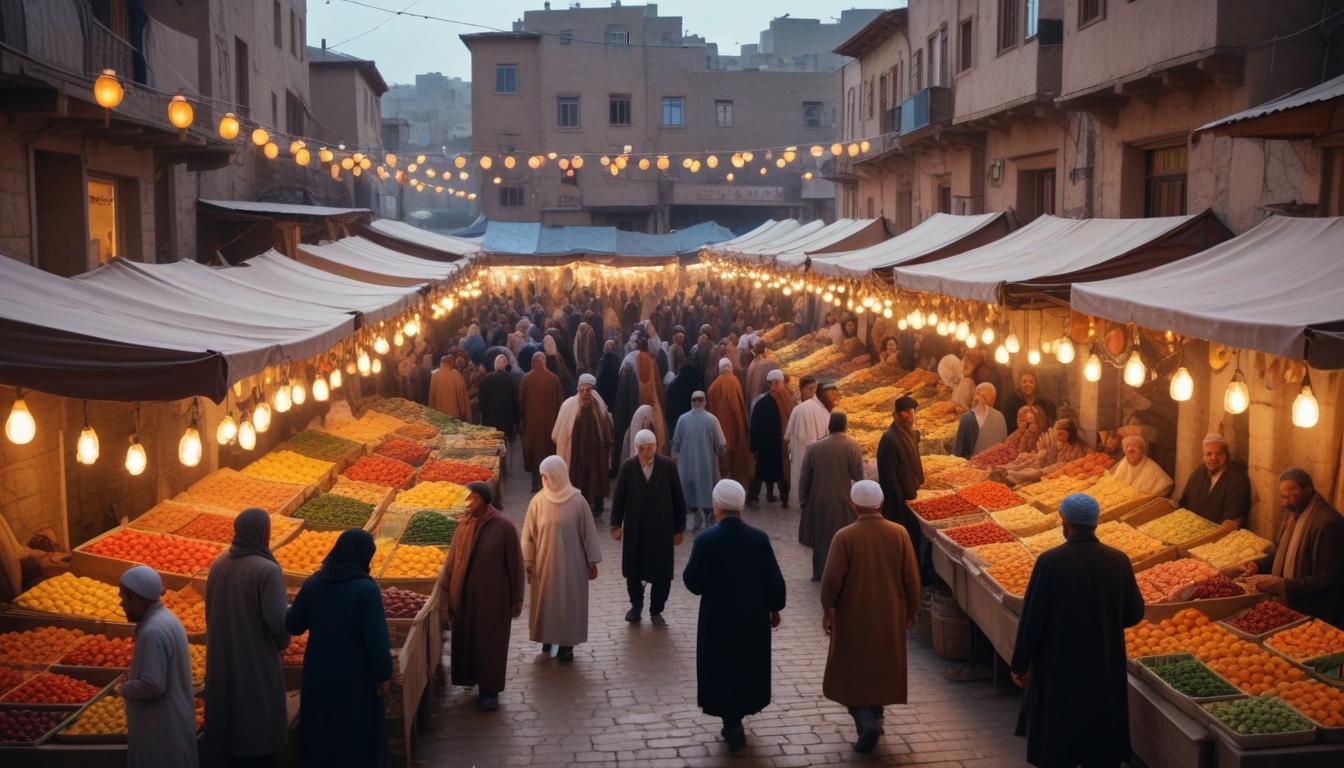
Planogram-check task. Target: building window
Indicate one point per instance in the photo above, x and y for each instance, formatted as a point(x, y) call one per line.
point(1090, 10)
point(506, 78)
point(294, 114)
point(240, 77)
point(510, 197)
point(293, 33)
point(938, 58)
point(917, 73)
point(965, 45)
point(674, 112)
point(871, 209)
point(279, 24)
point(567, 36)
point(944, 198)
point(723, 113)
point(567, 111)
point(1164, 194)
point(617, 35)
point(870, 98)
point(850, 114)
point(1033, 13)
point(275, 109)
point(619, 109)
point(882, 96)
point(1036, 193)
point(1008, 22)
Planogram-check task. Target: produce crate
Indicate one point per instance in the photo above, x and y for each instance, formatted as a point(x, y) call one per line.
point(1009, 600)
point(1325, 733)
point(1034, 529)
point(431, 605)
point(109, 569)
point(300, 492)
point(1149, 510)
point(417, 583)
point(69, 716)
point(1120, 510)
point(61, 737)
point(1215, 608)
point(1160, 556)
point(1260, 638)
point(370, 526)
point(1261, 741)
point(951, 628)
point(1187, 704)
point(103, 678)
point(342, 461)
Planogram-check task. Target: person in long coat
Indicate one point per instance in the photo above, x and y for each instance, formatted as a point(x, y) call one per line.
point(560, 557)
point(499, 399)
point(245, 604)
point(481, 593)
point(687, 381)
point(1070, 648)
point(160, 709)
point(348, 663)
point(448, 390)
point(732, 568)
point(623, 413)
point(650, 384)
point(728, 406)
point(648, 517)
point(697, 442)
point(585, 348)
point(758, 371)
point(539, 399)
point(643, 419)
point(769, 416)
point(608, 373)
point(830, 466)
point(583, 439)
point(869, 597)
point(980, 427)
point(899, 470)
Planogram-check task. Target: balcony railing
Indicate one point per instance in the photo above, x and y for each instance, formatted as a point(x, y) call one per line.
point(891, 119)
point(926, 107)
point(104, 50)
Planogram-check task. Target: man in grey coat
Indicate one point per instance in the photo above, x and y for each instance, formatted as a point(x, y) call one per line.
point(245, 605)
point(830, 466)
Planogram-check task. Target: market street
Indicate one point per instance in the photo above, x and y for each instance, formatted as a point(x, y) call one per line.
point(629, 696)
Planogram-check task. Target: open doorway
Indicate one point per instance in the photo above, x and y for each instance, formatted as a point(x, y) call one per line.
point(104, 237)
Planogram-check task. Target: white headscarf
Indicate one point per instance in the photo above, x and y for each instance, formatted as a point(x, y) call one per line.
point(555, 480)
point(645, 437)
point(725, 365)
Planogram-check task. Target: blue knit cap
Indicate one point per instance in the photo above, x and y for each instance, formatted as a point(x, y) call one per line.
point(1080, 509)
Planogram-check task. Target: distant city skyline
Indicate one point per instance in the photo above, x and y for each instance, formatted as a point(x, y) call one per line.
point(404, 46)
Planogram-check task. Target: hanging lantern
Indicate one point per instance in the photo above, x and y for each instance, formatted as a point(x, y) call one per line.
point(247, 436)
point(1001, 355)
point(853, 150)
point(271, 151)
point(534, 162)
point(729, 178)
point(348, 163)
point(20, 427)
point(1034, 357)
point(510, 161)
point(790, 154)
point(107, 91)
point(227, 431)
point(303, 157)
point(485, 162)
point(972, 341)
point(747, 156)
point(1136, 373)
point(459, 162)
point(260, 136)
point(325, 155)
point(299, 393)
point(282, 398)
point(941, 328)
point(1092, 368)
point(261, 417)
point(1306, 411)
point(901, 324)
point(86, 448)
point(712, 161)
point(1012, 344)
point(136, 458)
point(737, 160)
point(916, 320)
point(1065, 351)
point(335, 379)
point(228, 126)
point(189, 448)
point(1182, 385)
point(390, 159)
point(643, 163)
point(363, 363)
point(380, 345)
point(817, 150)
point(664, 163)
point(807, 175)
point(295, 146)
point(963, 331)
point(398, 338)
point(1237, 398)
point(321, 390)
point(377, 366)
point(886, 312)
point(336, 172)
point(987, 336)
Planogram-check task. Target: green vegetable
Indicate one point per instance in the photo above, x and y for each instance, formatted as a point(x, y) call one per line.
point(1258, 715)
point(336, 510)
point(1191, 678)
point(429, 527)
point(320, 445)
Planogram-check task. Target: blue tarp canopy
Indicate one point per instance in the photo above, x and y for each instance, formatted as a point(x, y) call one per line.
point(512, 238)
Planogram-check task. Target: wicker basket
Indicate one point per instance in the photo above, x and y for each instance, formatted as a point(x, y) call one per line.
point(951, 628)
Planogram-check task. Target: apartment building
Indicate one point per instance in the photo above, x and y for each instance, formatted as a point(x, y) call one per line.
point(597, 80)
point(1077, 108)
point(347, 92)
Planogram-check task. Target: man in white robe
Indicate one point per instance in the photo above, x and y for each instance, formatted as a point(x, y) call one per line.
point(1140, 472)
point(697, 443)
point(807, 424)
point(560, 556)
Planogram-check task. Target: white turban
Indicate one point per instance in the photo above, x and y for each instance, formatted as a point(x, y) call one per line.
point(1134, 440)
point(725, 365)
point(697, 395)
point(143, 581)
point(729, 495)
point(501, 362)
point(774, 375)
point(866, 494)
point(645, 437)
point(587, 378)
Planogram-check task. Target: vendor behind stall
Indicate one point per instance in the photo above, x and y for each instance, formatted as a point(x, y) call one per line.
point(1140, 472)
point(1219, 489)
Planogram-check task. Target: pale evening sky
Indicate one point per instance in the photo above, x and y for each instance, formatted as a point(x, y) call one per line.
point(404, 46)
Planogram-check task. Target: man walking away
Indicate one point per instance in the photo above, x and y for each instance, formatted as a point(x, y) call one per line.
point(899, 470)
point(539, 398)
point(769, 415)
point(648, 517)
point(829, 467)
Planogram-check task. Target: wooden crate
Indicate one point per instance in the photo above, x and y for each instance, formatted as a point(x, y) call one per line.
point(103, 678)
point(1186, 704)
point(109, 569)
point(1215, 608)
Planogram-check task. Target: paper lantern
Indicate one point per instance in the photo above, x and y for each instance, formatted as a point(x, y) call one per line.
point(380, 345)
point(20, 427)
point(227, 431)
point(817, 150)
point(261, 417)
point(664, 163)
point(335, 379)
point(1306, 411)
point(247, 436)
point(271, 151)
point(107, 90)
point(1065, 351)
point(303, 157)
point(460, 162)
point(486, 161)
point(260, 136)
point(377, 366)
point(325, 155)
point(363, 363)
point(1092, 368)
point(643, 163)
point(1001, 355)
point(837, 148)
point(712, 161)
point(228, 126)
point(282, 399)
point(1136, 373)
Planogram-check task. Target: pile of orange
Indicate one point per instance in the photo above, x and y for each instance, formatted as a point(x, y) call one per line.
point(171, 555)
point(1318, 701)
point(189, 608)
point(1188, 631)
point(1308, 641)
point(41, 645)
point(1256, 672)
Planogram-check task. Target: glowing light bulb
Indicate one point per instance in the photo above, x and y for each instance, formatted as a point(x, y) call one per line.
point(282, 399)
point(971, 341)
point(228, 126)
point(1136, 373)
point(987, 335)
point(916, 320)
point(1092, 368)
point(321, 390)
point(260, 137)
point(886, 312)
point(901, 324)
point(20, 427)
point(136, 459)
point(227, 430)
point(1034, 357)
point(189, 447)
point(336, 378)
point(86, 448)
point(299, 394)
point(963, 331)
point(399, 339)
point(363, 363)
point(247, 436)
point(380, 345)
point(1237, 398)
point(941, 328)
point(1012, 344)
point(931, 318)
point(1001, 355)
point(261, 417)
point(1182, 385)
point(377, 366)
point(1065, 352)
point(180, 113)
point(412, 328)
point(1306, 411)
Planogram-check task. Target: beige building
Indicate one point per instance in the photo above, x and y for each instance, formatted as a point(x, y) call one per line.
point(596, 80)
point(347, 93)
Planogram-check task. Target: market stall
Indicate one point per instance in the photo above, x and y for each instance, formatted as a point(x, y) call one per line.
point(356, 258)
point(420, 242)
point(939, 236)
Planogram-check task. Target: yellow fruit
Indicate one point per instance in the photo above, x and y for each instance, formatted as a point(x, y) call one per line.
point(1177, 527)
point(432, 495)
point(1123, 537)
point(73, 595)
point(288, 467)
point(369, 493)
point(1042, 541)
point(104, 717)
point(412, 562)
point(305, 553)
point(1021, 518)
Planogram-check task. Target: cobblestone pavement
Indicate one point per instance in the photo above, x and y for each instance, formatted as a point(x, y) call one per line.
point(629, 697)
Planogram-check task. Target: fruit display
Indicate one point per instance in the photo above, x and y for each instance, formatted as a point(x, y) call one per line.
point(1013, 576)
point(1125, 538)
point(1257, 715)
point(867, 439)
point(918, 378)
point(450, 427)
point(219, 528)
point(1216, 586)
point(100, 651)
point(961, 476)
point(1189, 676)
point(937, 464)
point(1255, 671)
point(409, 561)
point(402, 603)
point(994, 455)
point(166, 517)
point(456, 444)
point(1308, 641)
point(450, 471)
point(943, 507)
point(188, 606)
point(401, 449)
point(160, 552)
point(1234, 548)
point(1188, 631)
point(876, 421)
point(10, 677)
point(418, 430)
point(289, 467)
point(331, 509)
point(1052, 491)
point(380, 470)
point(800, 348)
point(429, 527)
point(369, 493)
point(1265, 616)
point(432, 495)
point(25, 726)
point(1040, 542)
point(73, 595)
point(1315, 700)
point(236, 491)
point(197, 653)
point(975, 534)
point(51, 688)
point(316, 444)
point(1001, 552)
point(1159, 582)
point(868, 377)
point(305, 553)
point(104, 717)
point(991, 496)
point(877, 399)
point(1091, 466)
point(1022, 518)
point(292, 656)
point(1112, 494)
point(40, 645)
point(827, 356)
point(1178, 527)
point(939, 433)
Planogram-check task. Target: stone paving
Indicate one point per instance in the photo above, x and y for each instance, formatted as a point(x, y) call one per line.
point(629, 697)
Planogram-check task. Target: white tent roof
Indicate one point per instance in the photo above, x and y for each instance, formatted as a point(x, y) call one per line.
point(360, 259)
point(1278, 288)
point(280, 209)
point(1047, 247)
point(406, 233)
point(767, 231)
point(934, 233)
point(830, 236)
point(274, 272)
point(772, 241)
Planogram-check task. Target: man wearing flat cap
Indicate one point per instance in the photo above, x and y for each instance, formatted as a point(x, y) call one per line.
point(1219, 489)
point(830, 465)
point(160, 706)
point(733, 569)
point(648, 517)
point(1070, 650)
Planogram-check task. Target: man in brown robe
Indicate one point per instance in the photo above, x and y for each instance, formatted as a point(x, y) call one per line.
point(481, 588)
point(727, 405)
point(830, 466)
point(1307, 568)
point(870, 597)
point(762, 363)
point(448, 390)
point(539, 399)
point(583, 437)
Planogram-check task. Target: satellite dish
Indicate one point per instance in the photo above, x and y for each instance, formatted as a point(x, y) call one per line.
point(422, 215)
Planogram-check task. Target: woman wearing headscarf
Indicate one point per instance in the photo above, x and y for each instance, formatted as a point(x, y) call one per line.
point(245, 605)
point(564, 347)
point(1138, 470)
point(643, 419)
point(679, 392)
point(556, 363)
point(585, 349)
point(560, 556)
point(1057, 446)
point(608, 373)
point(348, 663)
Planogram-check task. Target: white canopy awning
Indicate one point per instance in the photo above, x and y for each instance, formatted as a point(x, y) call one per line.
point(771, 229)
point(937, 233)
point(406, 233)
point(773, 240)
point(360, 259)
point(843, 234)
point(1278, 288)
point(283, 210)
point(276, 273)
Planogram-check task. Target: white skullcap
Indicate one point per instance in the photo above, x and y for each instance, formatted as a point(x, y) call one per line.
point(645, 437)
point(729, 495)
point(1134, 440)
point(774, 375)
point(587, 378)
point(1214, 437)
point(143, 581)
point(698, 394)
point(725, 365)
point(866, 494)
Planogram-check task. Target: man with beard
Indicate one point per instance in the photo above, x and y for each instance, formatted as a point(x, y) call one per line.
point(583, 439)
point(648, 517)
